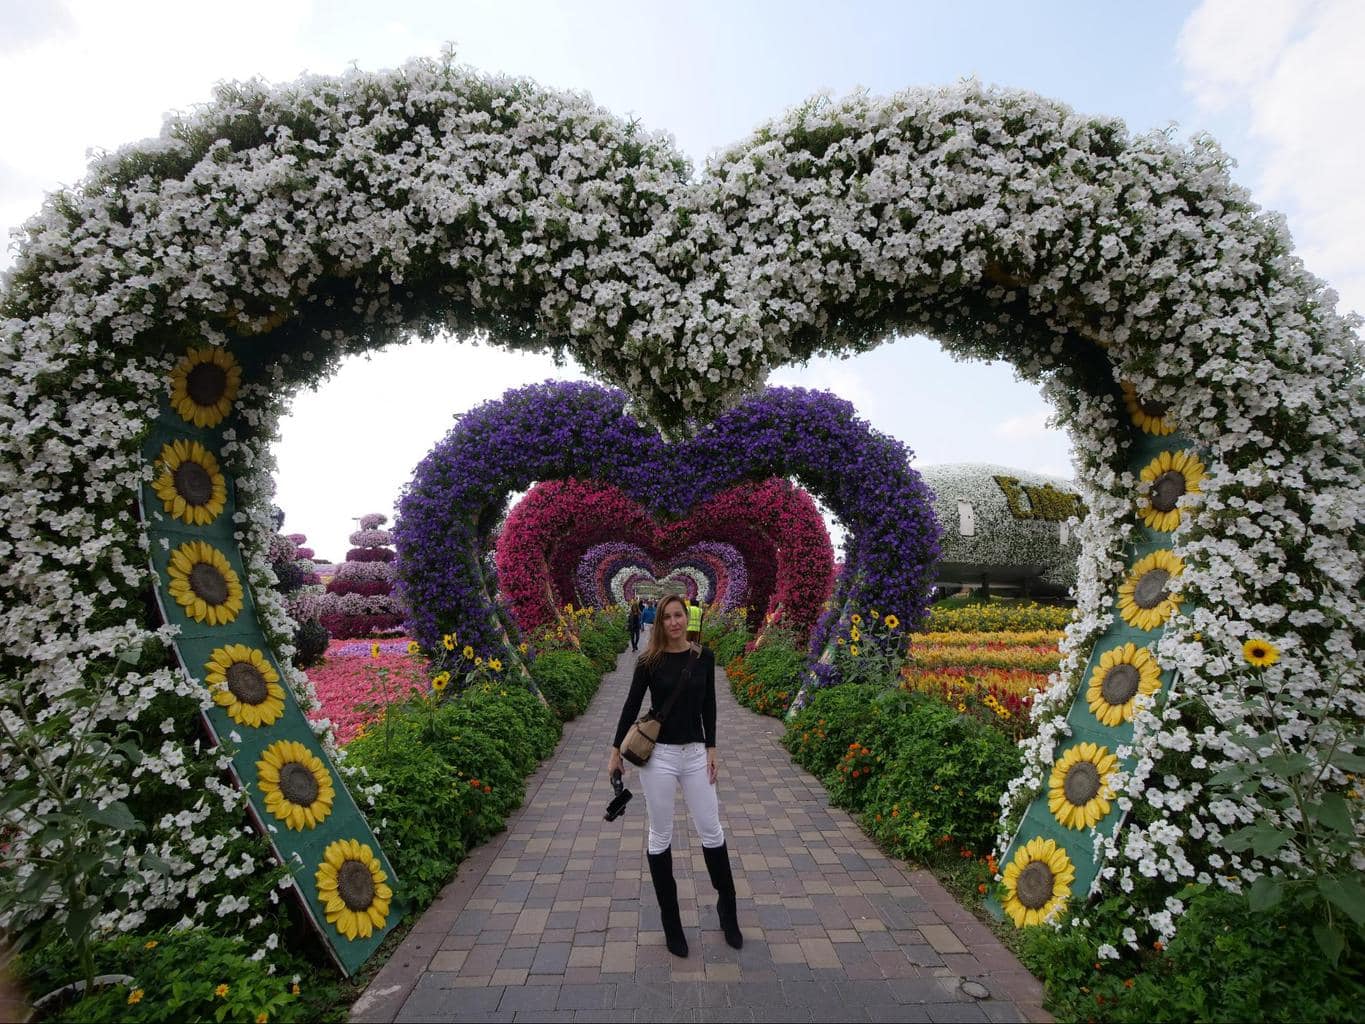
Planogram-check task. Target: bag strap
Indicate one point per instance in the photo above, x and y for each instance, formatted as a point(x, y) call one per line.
point(683, 680)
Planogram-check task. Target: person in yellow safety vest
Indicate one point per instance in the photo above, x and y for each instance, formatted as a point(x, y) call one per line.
point(693, 621)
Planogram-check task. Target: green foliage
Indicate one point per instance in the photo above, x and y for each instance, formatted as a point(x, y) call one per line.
point(928, 771)
point(726, 634)
point(606, 632)
point(994, 616)
point(767, 678)
point(567, 680)
point(1226, 963)
point(310, 641)
point(1314, 822)
point(176, 980)
point(543, 727)
point(820, 732)
point(450, 774)
point(943, 777)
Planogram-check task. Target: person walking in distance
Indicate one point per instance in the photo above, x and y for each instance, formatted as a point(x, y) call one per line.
point(633, 624)
point(685, 755)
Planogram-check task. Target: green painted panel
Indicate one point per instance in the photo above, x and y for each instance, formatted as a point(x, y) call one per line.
point(302, 851)
point(1038, 820)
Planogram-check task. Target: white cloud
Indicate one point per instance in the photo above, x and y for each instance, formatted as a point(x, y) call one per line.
point(1292, 70)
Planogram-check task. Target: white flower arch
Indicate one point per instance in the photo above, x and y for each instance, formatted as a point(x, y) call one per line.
point(291, 226)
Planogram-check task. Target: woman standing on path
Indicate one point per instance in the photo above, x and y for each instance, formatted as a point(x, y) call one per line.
point(685, 754)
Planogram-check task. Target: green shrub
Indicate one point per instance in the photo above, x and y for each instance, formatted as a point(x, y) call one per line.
point(820, 733)
point(543, 727)
point(176, 980)
point(726, 634)
point(600, 647)
point(941, 780)
point(567, 679)
point(767, 678)
point(448, 778)
point(487, 710)
point(418, 813)
point(1224, 964)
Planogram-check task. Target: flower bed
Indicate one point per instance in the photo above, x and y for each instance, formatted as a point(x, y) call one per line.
point(353, 685)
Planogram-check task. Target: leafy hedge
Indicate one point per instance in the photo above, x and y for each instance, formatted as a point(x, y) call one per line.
point(1226, 963)
point(767, 678)
point(922, 775)
point(567, 680)
point(726, 634)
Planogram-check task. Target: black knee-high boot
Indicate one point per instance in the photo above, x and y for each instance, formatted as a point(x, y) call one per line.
point(718, 866)
point(666, 889)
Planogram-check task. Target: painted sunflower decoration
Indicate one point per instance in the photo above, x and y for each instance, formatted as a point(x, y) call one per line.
point(1037, 882)
point(1165, 480)
point(245, 685)
point(297, 786)
point(1147, 416)
point(1080, 789)
point(204, 384)
point(1122, 673)
point(1144, 599)
point(352, 889)
point(204, 584)
point(189, 483)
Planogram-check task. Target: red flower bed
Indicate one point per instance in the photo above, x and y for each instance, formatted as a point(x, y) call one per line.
point(349, 686)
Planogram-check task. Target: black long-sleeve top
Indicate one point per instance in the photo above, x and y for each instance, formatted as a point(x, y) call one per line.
point(693, 719)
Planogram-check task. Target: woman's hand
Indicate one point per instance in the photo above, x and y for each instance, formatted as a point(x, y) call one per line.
point(614, 762)
point(711, 765)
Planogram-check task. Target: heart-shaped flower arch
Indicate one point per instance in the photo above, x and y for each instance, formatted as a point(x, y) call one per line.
point(290, 226)
point(710, 571)
point(777, 527)
point(557, 431)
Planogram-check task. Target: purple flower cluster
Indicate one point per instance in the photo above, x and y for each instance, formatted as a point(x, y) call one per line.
point(560, 430)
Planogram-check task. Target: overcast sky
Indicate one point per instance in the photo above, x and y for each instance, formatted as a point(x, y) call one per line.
point(1278, 83)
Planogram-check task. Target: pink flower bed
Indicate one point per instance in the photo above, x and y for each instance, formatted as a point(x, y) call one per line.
point(349, 677)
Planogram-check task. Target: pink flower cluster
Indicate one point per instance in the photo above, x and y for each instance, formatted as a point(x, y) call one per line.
point(349, 678)
point(359, 600)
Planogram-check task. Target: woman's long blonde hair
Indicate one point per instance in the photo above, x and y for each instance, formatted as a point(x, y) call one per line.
point(658, 639)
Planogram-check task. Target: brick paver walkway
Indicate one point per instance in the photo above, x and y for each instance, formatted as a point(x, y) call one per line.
point(555, 918)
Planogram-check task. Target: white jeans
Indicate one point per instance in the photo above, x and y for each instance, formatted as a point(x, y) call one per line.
point(670, 764)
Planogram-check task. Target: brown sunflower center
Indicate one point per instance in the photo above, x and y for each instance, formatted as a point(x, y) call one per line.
point(1120, 684)
point(1034, 886)
point(1259, 652)
point(1081, 784)
point(206, 383)
point(1154, 409)
point(208, 583)
point(1151, 589)
point(355, 885)
point(298, 784)
point(1167, 490)
point(246, 683)
point(193, 483)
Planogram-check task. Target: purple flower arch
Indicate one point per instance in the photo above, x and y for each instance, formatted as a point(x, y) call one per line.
point(559, 430)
